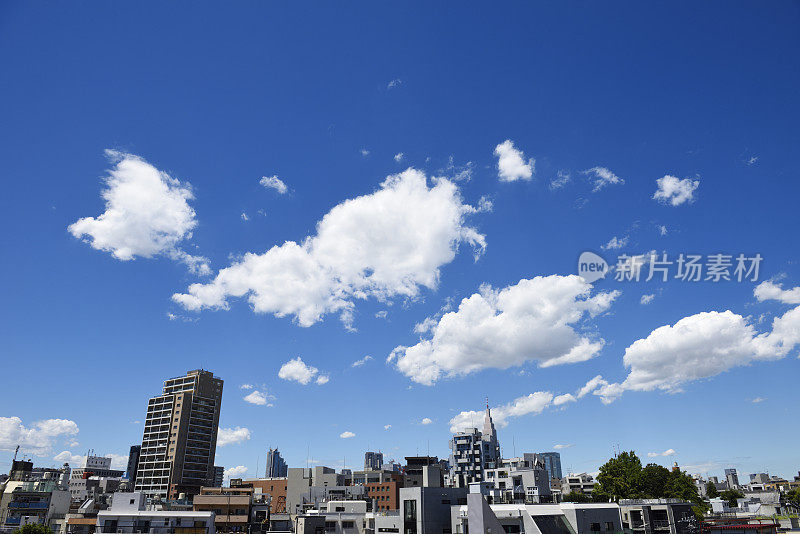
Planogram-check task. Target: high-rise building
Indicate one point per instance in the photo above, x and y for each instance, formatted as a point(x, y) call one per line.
point(180, 436)
point(732, 478)
point(552, 464)
point(473, 451)
point(373, 460)
point(133, 463)
point(219, 476)
point(276, 465)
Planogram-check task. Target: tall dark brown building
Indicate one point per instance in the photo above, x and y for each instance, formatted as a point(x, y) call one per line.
point(180, 436)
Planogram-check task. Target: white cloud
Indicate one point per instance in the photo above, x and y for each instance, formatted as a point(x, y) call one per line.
point(399, 157)
point(382, 314)
point(511, 164)
point(273, 182)
point(590, 386)
point(602, 178)
point(674, 191)
point(37, 439)
point(75, 461)
point(426, 421)
point(245, 217)
point(394, 83)
point(701, 346)
point(235, 472)
point(259, 398)
point(615, 243)
point(534, 403)
point(647, 299)
point(758, 400)
point(668, 452)
point(298, 371)
point(769, 290)
point(563, 399)
point(562, 178)
point(386, 244)
point(322, 379)
point(228, 436)
point(147, 214)
point(362, 361)
point(458, 173)
point(387, 427)
point(752, 160)
point(246, 386)
point(560, 446)
point(534, 320)
point(364, 152)
point(347, 434)
point(662, 230)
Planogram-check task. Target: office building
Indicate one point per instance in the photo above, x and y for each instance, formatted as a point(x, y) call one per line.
point(276, 465)
point(133, 464)
point(373, 460)
point(180, 436)
point(732, 478)
point(552, 464)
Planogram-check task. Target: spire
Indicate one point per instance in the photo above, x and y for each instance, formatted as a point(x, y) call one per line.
point(488, 424)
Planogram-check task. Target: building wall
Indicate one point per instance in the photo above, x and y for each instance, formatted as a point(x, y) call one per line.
point(274, 487)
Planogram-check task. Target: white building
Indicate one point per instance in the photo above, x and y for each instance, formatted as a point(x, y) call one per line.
point(129, 514)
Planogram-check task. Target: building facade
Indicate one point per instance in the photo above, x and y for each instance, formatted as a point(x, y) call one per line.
point(276, 465)
point(472, 452)
point(552, 464)
point(133, 464)
point(180, 436)
point(373, 460)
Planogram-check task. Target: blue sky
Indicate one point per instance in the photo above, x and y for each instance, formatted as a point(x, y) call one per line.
point(326, 98)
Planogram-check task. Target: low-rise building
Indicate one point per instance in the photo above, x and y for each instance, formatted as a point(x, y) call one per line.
point(656, 516)
point(582, 483)
point(129, 514)
point(231, 507)
point(41, 502)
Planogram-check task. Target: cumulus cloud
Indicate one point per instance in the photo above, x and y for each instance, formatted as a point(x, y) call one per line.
point(347, 434)
point(647, 299)
point(426, 421)
point(399, 157)
point(364, 152)
point(147, 214)
point(668, 452)
point(246, 386)
point(273, 182)
point(37, 439)
point(615, 243)
point(229, 436)
point(674, 191)
point(701, 346)
point(560, 446)
point(362, 361)
point(235, 472)
point(769, 290)
point(533, 320)
point(511, 164)
point(383, 245)
point(75, 461)
point(297, 370)
point(602, 177)
point(259, 398)
point(535, 403)
point(564, 399)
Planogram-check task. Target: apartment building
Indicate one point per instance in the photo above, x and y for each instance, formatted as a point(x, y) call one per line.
point(231, 507)
point(272, 490)
point(473, 451)
point(180, 436)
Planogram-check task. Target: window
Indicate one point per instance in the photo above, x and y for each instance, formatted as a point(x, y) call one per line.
point(340, 508)
point(330, 526)
point(511, 529)
point(595, 527)
point(446, 501)
point(410, 510)
point(609, 526)
point(348, 524)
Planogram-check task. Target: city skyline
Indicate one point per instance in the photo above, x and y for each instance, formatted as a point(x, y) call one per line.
point(367, 219)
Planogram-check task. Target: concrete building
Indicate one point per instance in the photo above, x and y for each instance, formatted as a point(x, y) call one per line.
point(473, 451)
point(276, 465)
point(231, 507)
point(424, 471)
point(656, 516)
point(383, 487)
point(520, 481)
point(552, 464)
point(582, 483)
point(81, 489)
point(564, 518)
point(299, 482)
point(180, 436)
point(129, 514)
point(133, 464)
point(732, 478)
point(373, 460)
point(41, 502)
point(219, 476)
point(426, 510)
point(98, 466)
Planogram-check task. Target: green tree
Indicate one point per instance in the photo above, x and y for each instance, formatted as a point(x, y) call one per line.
point(730, 496)
point(794, 496)
point(34, 529)
point(711, 490)
point(576, 496)
point(681, 486)
point(619, 478)
point(653, 481)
